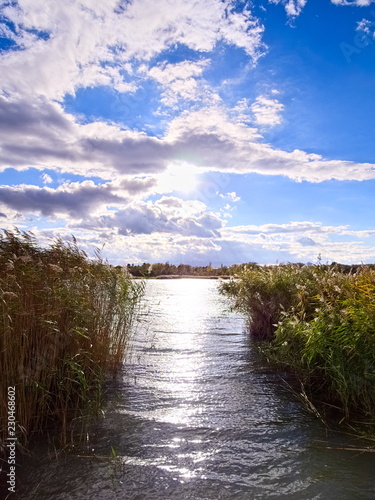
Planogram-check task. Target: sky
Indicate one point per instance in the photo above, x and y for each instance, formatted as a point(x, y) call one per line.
point(204, 132)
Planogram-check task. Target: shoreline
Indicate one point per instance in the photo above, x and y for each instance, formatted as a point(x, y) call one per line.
point(187, 276)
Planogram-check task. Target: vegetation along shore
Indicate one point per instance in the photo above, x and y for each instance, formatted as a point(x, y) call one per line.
point(319, 323)
point(64, 326)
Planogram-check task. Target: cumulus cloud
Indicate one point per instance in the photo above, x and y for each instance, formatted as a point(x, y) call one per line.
point(42, 135)
point(136, 186)
point(357, 3)
point(176, 207)
point(231, 196)
point(72, 198)
point(180, 82)
point(306, 241)
point(167, 215)
point(207, 139)
point(303, 241)
point(65, 46)
point(62, 47)
point(211, 140)
point(293, 8)
point(151, 232)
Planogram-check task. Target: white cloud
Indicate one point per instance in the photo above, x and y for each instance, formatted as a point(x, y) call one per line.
point(82, 43)
point(293, 8)
point(41, 135)
point(74, 199)
point(267, 111)
point(180, 82)
point(82, 35)
point(185, 232)
point(357, 3)
point(231, 196)
point(168, 215)
point(367, 27)
point(213, 141)
point(304, 241)
point(292, 227)
point(47, 179)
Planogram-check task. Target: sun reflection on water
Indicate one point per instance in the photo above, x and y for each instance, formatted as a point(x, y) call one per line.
point(179, 360)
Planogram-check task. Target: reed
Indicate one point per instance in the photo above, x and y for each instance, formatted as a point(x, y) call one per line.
point(320, 324)
point(65, 321)
point(262, 293)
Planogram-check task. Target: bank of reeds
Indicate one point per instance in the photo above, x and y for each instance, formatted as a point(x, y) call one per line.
point(320, 324)
point(65, 322)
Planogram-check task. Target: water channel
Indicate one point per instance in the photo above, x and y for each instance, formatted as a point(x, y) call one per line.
point(197, 415)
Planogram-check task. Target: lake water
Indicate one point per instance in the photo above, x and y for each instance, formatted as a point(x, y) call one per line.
point(197, 415)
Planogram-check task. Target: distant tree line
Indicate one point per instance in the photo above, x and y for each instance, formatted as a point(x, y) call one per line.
point(153, 270)
point(147, 270)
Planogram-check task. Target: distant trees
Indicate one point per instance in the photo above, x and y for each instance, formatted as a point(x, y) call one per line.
point(147, 270)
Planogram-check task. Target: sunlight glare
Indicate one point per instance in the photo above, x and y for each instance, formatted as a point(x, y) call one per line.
point(179, 177)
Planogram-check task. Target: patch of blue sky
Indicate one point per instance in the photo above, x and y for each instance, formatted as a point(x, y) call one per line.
point(48, 224)
point(47, 177)
point(277, 198)
point(349, 238)
point(6, 41)
point(232, 75)
point(40, 34)
point(9, 35)
point(7, 44)
point(131, 110)
point(324, 95)
point(227, 65)
point(176, 54)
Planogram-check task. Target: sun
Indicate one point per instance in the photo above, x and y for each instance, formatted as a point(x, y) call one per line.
point(179, 177)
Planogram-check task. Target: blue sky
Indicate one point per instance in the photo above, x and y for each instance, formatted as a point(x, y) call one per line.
point(191, 131)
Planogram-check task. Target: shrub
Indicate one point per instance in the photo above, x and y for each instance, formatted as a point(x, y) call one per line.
point(263, 293)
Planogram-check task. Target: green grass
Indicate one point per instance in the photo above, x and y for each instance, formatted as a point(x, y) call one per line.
point(65, 322)
point(319, 323)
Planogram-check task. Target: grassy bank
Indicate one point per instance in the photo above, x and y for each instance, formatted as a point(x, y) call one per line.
point(319, 323)
point(65, 322)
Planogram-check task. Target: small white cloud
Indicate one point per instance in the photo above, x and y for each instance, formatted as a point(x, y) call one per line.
point(293, 8)
point(47, 179)
point(181, 81)
point(267, 111)
point(367, 27)
point(306, 241)
point(231, 197)
point(356, 3)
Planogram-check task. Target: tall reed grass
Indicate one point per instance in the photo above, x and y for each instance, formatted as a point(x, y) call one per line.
point(65, 322)
point(319, 323)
